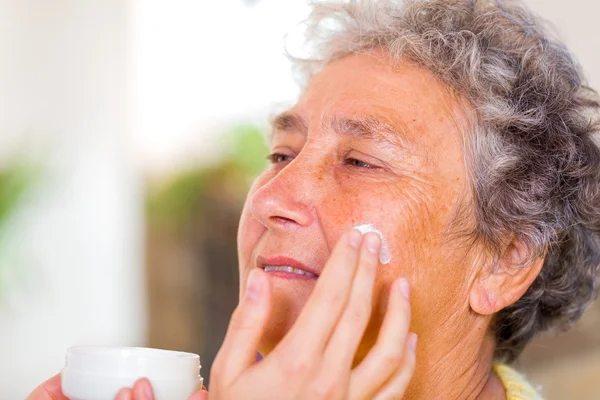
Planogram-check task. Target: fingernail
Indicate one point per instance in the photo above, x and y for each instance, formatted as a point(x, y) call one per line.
point(412, 341)
point(373, 243)
point(404, 287)
point(354, 238)
point(148, 390)
point(253, 285)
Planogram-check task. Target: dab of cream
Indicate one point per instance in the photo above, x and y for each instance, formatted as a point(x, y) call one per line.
point(385, 256)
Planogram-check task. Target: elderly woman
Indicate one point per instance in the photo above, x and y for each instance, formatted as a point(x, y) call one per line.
point(462, 136)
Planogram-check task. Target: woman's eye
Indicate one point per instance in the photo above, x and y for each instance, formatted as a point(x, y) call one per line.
point(277, 158)
point(353, 162)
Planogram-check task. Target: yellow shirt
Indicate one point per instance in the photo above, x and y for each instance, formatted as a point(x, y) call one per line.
point(516, 386)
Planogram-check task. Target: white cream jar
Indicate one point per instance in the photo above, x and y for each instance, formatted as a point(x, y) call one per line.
point(98, 373)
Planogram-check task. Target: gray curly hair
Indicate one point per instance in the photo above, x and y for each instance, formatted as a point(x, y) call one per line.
point(535, 168)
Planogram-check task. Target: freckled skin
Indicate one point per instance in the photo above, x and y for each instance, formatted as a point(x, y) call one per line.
point(300, 207)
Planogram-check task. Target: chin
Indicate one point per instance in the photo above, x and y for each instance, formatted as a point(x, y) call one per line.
point(284, 312)
point(275, 331)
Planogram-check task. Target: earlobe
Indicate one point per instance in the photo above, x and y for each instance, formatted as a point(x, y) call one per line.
point(481, 299)
point(499, 287)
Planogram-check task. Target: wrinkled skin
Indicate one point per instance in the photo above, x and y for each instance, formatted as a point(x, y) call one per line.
point(327, 180)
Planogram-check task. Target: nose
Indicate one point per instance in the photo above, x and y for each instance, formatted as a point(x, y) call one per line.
point(286, 201)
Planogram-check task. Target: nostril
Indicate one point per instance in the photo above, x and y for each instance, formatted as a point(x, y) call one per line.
point(282, 220)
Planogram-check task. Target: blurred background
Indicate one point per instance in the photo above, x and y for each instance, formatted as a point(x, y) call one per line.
point(130, 131)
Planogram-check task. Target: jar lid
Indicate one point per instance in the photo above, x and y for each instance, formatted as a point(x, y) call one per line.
point(132, 361)
point(98, 372)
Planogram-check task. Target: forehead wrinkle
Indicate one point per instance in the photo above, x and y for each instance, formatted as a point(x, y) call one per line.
point(369, 127)
point(293, 121)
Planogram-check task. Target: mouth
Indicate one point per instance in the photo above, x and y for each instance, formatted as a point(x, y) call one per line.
point(285, 267)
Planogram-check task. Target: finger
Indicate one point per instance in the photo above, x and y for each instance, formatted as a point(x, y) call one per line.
point(238, 351)
point(387, 354)
point(396, 387)
point(49, 390)
point(142, 390)
point(351, 327)
point(124, 394)
point(201, 395)
point(325, 305)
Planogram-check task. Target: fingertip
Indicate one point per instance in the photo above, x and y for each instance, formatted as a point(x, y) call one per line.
point(54, 384)
point(246, 326)
point(399, 302)
point(256, 285)
point(256, 303)
point(50, 389)
point(124, 394)
point(372, 242)
point(142, 390)
point(354, 238)
point(411, 357)
point(262, 277)
point(412, 341)
point(265, 284)
point(403, 287)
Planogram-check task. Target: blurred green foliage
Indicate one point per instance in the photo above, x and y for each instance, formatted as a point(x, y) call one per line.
point(174, 202)
point(15, 181)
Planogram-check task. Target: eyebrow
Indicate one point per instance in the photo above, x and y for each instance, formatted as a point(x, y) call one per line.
point(369, 127)
point(289, 121)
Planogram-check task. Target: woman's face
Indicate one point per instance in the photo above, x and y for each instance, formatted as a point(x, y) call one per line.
point(365, 144)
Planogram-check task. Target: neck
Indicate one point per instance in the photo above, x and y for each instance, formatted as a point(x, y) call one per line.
point(457, 368)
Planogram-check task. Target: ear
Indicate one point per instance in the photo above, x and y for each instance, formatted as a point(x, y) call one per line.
point(493, 290)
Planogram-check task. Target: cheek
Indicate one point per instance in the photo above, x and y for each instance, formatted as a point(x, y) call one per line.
point(345, 208)
point(414, 220)
point(351, 200)
point(437, 267)
point(341, 211)
point(249, 230)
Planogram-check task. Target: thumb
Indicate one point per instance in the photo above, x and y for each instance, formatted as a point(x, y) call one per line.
point(49, 390)
point(245, 330)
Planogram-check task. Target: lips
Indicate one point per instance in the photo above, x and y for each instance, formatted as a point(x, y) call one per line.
point(289, 270)
point(286, 267)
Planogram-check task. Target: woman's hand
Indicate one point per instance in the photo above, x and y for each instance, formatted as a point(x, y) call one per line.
point(49, 390)
point(314, 360)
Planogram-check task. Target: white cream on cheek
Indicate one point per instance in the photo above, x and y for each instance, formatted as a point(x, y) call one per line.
point(385, 256)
